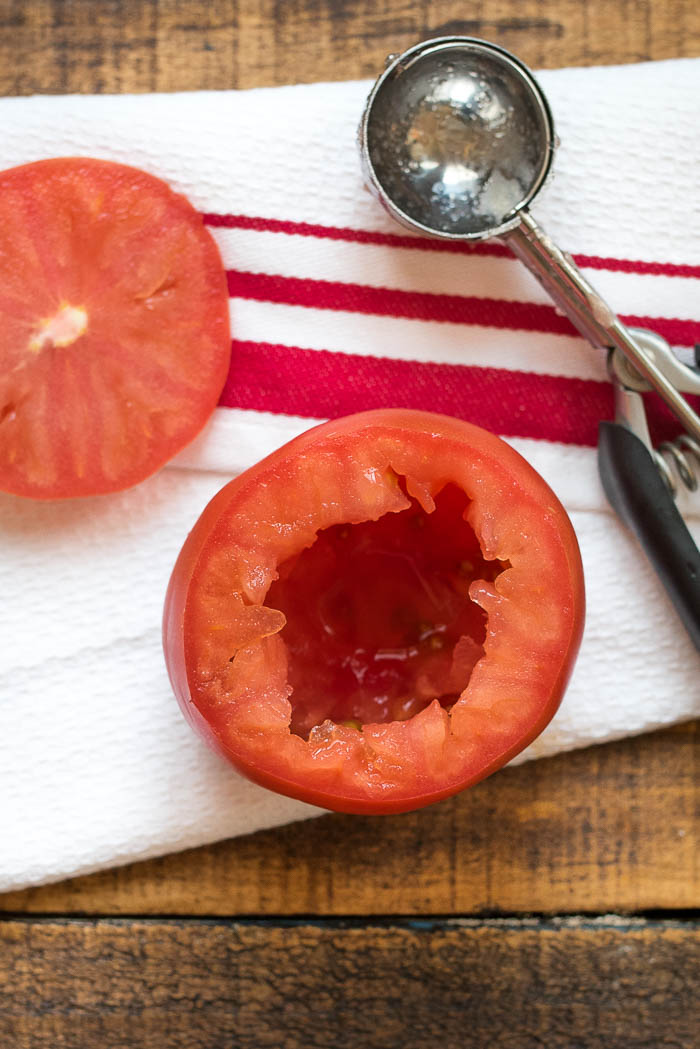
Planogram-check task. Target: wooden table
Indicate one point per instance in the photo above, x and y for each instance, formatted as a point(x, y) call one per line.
point(553, 905)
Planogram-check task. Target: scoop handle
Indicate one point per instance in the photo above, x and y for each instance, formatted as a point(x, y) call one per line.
point(562, 279)
point(639, 496)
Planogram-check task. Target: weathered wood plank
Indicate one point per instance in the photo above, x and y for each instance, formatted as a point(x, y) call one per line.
point(217, 985)
point(611, 828)
point(50, 46)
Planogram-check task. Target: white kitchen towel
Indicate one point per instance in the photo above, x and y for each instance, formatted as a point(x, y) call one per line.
point(334, 309)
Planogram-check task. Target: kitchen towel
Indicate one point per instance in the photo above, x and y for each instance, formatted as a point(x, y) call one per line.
point(335, 309)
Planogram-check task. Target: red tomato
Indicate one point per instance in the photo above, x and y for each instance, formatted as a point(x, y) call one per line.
point(114, 343)
point(377, 615)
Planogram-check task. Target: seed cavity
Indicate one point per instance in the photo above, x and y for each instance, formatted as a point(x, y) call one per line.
point(8, 413)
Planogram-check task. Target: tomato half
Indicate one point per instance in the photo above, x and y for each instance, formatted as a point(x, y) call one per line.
point(377, 615)
point(114, 342)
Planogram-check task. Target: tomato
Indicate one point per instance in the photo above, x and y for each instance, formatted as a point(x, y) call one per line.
point(115, 342)
point(377, 615)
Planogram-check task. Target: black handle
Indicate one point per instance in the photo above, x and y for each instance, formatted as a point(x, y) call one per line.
point(638, 494)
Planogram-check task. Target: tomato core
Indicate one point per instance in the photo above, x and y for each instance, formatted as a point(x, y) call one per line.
point(61, 329)
point(379, 619)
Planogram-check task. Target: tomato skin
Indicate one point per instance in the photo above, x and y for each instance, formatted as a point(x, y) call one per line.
point(227, 663)
point(115, 341)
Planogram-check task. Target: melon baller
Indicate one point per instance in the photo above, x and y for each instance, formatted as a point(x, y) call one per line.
point(456, 140)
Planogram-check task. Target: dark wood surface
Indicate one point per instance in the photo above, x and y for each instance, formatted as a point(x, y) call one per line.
point(177, 45)
point(613, 828)
point(513, 985)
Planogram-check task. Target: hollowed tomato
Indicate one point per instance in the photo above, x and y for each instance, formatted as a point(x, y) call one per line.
point(377, 615)
point(114, 342)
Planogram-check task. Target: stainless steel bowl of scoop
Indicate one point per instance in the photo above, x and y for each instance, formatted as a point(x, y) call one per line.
point(456, 140)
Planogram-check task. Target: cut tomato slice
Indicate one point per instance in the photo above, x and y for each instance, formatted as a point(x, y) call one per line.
point(379, 614)
point(115, 340)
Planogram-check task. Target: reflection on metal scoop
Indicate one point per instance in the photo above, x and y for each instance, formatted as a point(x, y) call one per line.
point(456, 140)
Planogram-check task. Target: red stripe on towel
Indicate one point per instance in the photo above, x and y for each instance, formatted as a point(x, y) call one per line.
point(289, 380)
point(428, 306)
point(398, 240)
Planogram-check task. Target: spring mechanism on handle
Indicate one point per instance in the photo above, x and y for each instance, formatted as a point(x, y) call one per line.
point(679, 453)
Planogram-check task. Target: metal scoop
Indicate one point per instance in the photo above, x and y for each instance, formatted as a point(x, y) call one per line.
point(456, 140)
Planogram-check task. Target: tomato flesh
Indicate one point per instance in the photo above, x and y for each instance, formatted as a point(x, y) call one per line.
point(115, 340)
point(379, 618)
point(379, 614)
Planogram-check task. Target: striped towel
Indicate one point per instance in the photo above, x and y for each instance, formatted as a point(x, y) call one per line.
point(335, 309)
point(461, 358)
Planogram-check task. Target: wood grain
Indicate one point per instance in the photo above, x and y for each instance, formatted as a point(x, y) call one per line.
point(611, 828)
point(94, 46)
point(216, 985)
